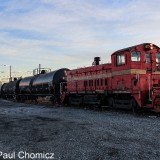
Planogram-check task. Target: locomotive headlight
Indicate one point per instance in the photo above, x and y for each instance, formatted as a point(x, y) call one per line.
point(65, 72)
point(149, 46)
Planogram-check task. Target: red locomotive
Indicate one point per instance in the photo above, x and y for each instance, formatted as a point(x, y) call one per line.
point(131, 80)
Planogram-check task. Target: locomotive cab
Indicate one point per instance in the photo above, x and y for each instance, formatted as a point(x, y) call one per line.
point(136, 72)
point(135, 57)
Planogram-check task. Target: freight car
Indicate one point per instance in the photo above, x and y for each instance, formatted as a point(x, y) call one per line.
point(11, 89)
point(0, 92)
point(38, 86)
point(131, 80)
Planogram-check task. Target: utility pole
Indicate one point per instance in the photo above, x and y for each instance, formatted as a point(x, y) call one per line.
point(10, 73)
point(39, 68)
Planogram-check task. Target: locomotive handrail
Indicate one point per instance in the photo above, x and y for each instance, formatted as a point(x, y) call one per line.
point(149, 87)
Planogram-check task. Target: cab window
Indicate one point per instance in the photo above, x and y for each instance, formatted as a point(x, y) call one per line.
point(135, 56)
point(158, 57)
point(121, 59)
point(148, 57)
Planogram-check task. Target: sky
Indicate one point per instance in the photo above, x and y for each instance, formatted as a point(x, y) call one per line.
point(70, 33)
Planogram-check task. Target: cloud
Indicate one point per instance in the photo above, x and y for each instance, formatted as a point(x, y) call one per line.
point(72, 32)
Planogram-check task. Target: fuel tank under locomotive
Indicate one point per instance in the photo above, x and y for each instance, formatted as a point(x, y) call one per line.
point(10, 89)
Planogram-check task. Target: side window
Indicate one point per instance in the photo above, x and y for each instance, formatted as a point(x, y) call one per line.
point(121, 59)
point(148, 57)
point(158, 57)
point(135, 56)
point(158, 61)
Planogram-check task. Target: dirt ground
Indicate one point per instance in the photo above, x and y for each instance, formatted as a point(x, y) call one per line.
point(76, 134)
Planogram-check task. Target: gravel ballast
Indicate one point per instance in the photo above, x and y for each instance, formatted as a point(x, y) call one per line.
point(77, 134)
